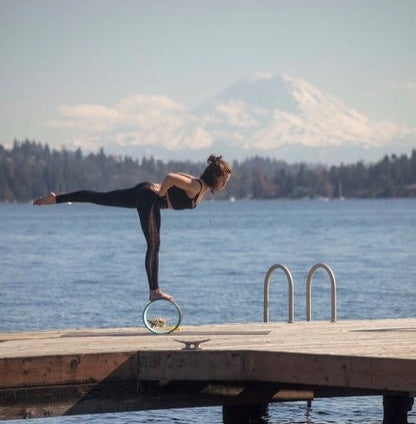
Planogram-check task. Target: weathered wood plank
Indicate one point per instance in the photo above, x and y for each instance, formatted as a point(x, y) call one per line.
point(311, 369)
point(67, 369)
point(387, 338)
point(334, 370)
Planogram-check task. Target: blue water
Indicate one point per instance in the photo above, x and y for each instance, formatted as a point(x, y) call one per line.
point(82, 266)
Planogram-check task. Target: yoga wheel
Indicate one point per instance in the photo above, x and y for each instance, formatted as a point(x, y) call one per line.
point(162, 316)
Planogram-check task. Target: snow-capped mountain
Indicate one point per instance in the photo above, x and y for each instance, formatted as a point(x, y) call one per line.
point(269, 115)
point(282, 116)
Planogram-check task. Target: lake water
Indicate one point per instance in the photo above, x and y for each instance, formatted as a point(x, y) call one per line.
point(77, 266)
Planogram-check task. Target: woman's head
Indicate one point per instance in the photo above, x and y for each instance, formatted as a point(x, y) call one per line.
point(217, 173)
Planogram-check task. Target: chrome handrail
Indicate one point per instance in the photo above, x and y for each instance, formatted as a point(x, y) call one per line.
point(309, 291)
point(291, 291)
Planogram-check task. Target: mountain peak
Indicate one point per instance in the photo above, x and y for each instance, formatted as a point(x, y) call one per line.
point(264, 90)
point(269, 111)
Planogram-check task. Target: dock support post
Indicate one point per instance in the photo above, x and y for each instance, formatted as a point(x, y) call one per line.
point(395, 408)
point(244, 414)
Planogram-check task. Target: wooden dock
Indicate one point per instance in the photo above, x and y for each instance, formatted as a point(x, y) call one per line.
point(125, 369)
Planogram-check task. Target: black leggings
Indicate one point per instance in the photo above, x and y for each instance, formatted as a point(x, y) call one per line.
point(148, 205)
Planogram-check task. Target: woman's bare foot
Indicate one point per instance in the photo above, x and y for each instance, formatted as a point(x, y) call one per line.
point(49, 199)
point(158, 294)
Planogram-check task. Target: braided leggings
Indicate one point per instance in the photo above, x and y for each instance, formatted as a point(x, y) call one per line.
point(148, 205)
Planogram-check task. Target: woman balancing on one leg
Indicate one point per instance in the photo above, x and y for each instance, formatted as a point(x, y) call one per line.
point(177, 191)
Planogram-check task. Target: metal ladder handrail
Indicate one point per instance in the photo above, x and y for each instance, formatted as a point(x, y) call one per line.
point(309, 291)
point(291, 291)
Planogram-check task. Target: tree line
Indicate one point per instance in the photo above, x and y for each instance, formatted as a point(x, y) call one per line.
point(30, 169)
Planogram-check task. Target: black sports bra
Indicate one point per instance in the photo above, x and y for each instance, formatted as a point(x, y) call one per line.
point(180, 200)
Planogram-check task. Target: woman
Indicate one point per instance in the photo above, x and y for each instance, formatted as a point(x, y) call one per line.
point(177, 191)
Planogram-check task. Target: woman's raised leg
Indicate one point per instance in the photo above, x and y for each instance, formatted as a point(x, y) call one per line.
point(126, 198)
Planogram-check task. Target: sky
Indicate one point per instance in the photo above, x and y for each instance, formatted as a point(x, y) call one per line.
point(58, 56)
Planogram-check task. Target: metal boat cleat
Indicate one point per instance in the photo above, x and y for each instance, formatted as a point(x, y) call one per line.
point(193, 344)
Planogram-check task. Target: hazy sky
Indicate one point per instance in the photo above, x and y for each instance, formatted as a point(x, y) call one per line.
point(64, 53)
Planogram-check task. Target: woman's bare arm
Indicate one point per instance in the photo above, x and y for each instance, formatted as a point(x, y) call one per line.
point(186, 182)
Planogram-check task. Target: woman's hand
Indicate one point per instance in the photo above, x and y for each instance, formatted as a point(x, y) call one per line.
point(156, 188)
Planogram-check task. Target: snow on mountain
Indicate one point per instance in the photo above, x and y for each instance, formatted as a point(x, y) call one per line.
point(275, 111)
point(266, 114)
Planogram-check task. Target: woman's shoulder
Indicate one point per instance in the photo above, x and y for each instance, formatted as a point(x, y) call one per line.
point(187, 175)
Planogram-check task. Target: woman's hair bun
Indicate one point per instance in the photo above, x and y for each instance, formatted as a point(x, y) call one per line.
point(213, 159)
point(217, 167)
